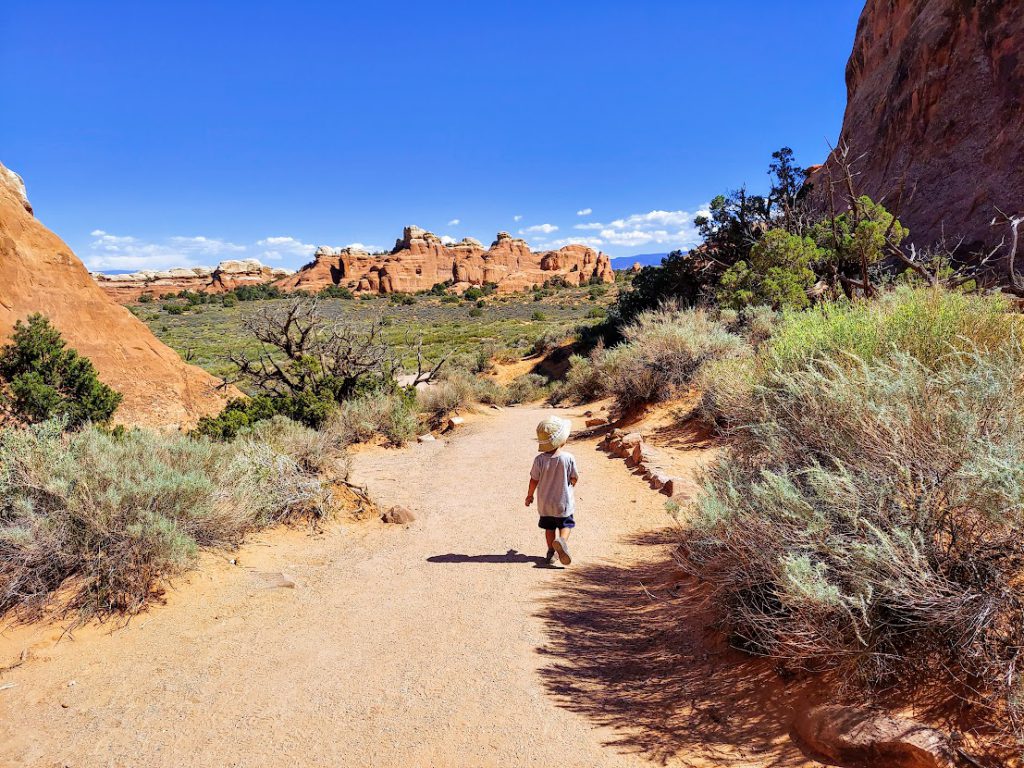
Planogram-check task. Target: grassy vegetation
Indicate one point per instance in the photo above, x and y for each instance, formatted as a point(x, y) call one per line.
point(205, 333)
point(102, 520)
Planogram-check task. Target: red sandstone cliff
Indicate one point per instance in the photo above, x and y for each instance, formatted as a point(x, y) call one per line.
point(420, 260)
point(39, 273)
point(936, 98)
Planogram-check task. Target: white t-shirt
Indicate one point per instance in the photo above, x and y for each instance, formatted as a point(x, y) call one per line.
point(553, 471)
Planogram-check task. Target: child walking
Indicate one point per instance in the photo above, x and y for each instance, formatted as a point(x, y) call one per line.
point(552, 478)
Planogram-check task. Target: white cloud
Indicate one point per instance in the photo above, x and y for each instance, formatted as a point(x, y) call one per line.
point(107, 251)
point(281, 247)
point(453, 223)
point(448, 240)
point(517, 218)
point(547, 229)
point(671, 229)
point(585, 212)
point(365, 247)
point(594, 242)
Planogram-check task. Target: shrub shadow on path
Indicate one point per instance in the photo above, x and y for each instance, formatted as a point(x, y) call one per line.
point(633, 648)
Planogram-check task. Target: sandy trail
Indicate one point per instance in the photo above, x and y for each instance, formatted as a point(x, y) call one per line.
point(442, 644)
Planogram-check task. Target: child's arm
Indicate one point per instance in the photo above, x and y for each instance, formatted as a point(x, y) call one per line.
point(574, 475)
point(529, 493)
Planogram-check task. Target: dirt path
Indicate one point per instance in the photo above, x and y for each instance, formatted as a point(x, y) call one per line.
point(442, 644)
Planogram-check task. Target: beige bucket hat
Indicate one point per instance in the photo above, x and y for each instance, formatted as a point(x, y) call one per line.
point(552, 433)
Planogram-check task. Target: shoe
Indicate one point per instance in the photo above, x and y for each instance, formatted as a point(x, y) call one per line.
point(549, 558)
point(562, 548)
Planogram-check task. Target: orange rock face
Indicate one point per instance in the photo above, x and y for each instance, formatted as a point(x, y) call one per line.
point(226, 276)
point(420, 260)
point(39, 273)
point(936, 100)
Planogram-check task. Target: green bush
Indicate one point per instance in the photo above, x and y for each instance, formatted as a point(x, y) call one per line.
point(44, 379)
point(868, 516)
point(662, 352)
point(476, 312)
point(104, 519)
point(584, 382)
point(778, 274)
point(146, 298)
point(453, 393)
point(538, 316)
point(526, 389)
point(174, 309)
point(377, 413)
point(229, 300)
point(336, 292)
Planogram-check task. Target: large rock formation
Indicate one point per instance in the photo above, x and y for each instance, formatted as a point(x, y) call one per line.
point(420, 260)
point(936, 100)
point(39, 273)
point(225, 277)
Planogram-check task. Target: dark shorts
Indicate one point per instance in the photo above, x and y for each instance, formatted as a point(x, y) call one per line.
point(554, 523)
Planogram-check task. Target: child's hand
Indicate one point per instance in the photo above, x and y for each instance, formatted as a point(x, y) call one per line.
point(529, 499)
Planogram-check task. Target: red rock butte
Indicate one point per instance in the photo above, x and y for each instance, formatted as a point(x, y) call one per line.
point(421, 260)
point(39, 273)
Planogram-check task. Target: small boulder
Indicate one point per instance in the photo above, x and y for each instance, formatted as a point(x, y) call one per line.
point(455, 421)
point(588, 413)
point(398, 515)
point(595, 423)
point(851, 736)
point(427, 438)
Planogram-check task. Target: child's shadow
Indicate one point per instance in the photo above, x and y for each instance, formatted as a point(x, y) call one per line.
point(510, 557)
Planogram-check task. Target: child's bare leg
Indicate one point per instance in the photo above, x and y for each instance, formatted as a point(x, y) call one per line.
point(549, 536)
point(564, 533)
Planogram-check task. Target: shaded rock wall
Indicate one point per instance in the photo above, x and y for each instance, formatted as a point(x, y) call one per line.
point(936, 99)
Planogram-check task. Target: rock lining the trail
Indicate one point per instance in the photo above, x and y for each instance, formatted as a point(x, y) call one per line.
point(639, 455)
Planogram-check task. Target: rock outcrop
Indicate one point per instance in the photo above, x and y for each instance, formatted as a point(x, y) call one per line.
point(225, 277)
point(39, 273)
point(421, 260)
point(850, 736)
point(936, 104)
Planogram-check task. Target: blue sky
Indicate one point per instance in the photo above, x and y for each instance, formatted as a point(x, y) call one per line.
point(165, 134)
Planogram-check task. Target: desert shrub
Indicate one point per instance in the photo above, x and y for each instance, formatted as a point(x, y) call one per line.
point(453, 393)
point(584, 381)
point(662, 352)
point(402, 299)
point(548, 341)
point(376, 413)
point(526, 389)
point(229, 300)
point(257, 292)
point(336, 292)
point(489, 392)
point(726, 386)
point(476, 312)
point(40, 378)
point(538, 316)
point(868, 516)
point(146, 298)
point(104, 518)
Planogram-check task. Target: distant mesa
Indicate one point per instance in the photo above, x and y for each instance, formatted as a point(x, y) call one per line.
point(421, 260)
point(225, 277)
point(39, 273)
